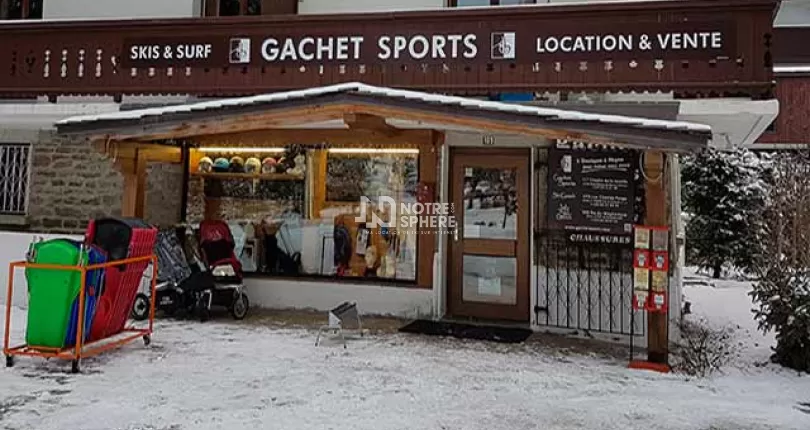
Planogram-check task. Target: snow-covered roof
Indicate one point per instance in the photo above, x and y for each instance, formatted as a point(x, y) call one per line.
point(544, 113)
point(789, 69)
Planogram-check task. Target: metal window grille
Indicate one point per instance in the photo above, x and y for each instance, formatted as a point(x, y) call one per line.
point(15, 162)
point(586, 287)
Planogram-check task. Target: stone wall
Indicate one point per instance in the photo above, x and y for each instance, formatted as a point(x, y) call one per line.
point(71, 183)
point(164, 190)
point(234, 208)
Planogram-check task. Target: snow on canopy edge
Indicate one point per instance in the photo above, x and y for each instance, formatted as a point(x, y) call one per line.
point(365, 89)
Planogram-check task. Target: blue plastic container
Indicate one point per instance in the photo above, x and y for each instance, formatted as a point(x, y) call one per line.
point(94, 283)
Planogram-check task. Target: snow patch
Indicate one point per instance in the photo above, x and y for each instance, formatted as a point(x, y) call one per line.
point(225, 375)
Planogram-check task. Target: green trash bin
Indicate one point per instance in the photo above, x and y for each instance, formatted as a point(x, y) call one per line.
point(51, 293)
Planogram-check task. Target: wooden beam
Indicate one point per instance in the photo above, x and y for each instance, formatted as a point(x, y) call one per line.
point(211, 8)
point(473, 123)
point(221, 124)
point(371, 116)
point(163, 155)
point(281, 137)
point(361, 117)
point(374, 123)
point(130, 149)
point(140, 200)
point(133, 169)
point(426, 243)
point(656, 214)
point(319, 163)
point(277, 118)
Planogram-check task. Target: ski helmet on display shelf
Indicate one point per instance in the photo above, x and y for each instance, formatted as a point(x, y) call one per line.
point(253, 165)
point(269, 165)
point(237, 165)
point(206, 165)
point(221, 165)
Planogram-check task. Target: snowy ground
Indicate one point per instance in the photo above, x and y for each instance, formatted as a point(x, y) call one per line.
point(223, 375)
point(725, 303)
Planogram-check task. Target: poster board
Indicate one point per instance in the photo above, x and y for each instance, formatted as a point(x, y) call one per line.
point(592, 193)
point(651, 268)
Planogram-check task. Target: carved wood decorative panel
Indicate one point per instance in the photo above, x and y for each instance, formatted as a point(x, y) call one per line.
point(693, 48)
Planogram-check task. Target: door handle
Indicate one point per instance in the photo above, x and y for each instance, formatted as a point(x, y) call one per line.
point(455, 234)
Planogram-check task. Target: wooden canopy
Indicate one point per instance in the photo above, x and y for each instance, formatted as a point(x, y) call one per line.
point(360, 106)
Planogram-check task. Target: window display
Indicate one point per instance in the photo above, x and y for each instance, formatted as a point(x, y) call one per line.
point(297, 210)
point(354, 173)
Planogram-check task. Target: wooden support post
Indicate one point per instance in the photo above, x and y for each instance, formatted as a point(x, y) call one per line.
point(134, 197)
point(656, 214)
point(186, 163)
point(426, 243)
point(319, 186)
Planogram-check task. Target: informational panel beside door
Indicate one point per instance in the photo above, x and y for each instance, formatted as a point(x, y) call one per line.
point(592, 193)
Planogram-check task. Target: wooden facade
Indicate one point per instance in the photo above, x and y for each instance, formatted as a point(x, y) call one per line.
point(693, 48)
point(792, 125)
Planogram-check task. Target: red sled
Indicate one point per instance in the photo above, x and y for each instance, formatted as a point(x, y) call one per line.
point(120, 238)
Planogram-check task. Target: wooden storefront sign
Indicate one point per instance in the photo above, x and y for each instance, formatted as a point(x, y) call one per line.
point(690, 47)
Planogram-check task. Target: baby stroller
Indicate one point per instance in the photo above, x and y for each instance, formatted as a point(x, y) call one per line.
point(179, 283)
point(217, 251)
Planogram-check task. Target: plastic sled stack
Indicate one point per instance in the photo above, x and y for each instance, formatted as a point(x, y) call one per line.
point(97, 279)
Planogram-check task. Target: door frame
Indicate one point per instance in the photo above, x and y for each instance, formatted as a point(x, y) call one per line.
point(455, 306)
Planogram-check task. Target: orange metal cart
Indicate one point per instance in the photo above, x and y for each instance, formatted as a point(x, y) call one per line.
point(81, 349)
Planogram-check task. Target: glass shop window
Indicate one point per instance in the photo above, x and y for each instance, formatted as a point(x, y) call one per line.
point(254, 7)
point(468, 3)
point(230, 8)
point(20, 9)
point(296, 211)
point(236, 7)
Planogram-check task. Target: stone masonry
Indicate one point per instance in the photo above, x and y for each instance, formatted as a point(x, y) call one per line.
point(71, 183)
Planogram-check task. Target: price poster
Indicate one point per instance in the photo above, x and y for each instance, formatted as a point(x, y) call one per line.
point(659, 280)
point(641, 280)
point(642, 238)
point(660, 239)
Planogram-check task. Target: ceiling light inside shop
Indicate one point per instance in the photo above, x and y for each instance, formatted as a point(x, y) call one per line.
point(236, 149)
point(374, 150)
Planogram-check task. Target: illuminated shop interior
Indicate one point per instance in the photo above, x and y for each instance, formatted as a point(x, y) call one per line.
point(293, 208)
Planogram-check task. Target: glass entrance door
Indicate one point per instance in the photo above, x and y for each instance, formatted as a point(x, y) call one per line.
point(488, 270)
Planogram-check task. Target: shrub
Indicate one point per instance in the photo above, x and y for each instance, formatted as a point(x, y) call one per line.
point(723, 193)
point(782, 293)
point(784, 307)
point(702, 350)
